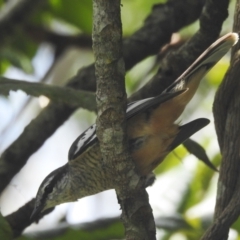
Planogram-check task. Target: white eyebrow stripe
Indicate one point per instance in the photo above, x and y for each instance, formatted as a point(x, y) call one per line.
point(48, 181)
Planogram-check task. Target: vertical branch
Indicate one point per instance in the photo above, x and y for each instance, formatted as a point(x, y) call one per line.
point(111, 127)
point(227, 114)
point(109, 70)
point(226, 110)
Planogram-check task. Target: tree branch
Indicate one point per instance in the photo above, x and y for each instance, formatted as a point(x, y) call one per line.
point(13, 14)
point(226, 110)
point(111, 124)
point(69, 96)
point(20, 219)
point(60, 41)
point(222, 223)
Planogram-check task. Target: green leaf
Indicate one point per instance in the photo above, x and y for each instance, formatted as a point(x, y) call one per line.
point(169, 162)
point(172, 160)
point(215, 76)
point(172, 223)
point(17, 59)
point(199, 185)
point(75, 12)
point(236, 225)
point(5, 229)
point(131, 22)
point(4, 66)
point(2, 2)
point(69, 96)
point(197, 150)
point(22, 45)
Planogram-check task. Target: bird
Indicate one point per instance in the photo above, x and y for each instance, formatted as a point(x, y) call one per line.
point(152, 133)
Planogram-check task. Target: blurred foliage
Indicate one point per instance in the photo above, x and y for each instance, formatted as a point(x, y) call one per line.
point(131, 22)
point(77, 13)
point(66, 16)
point(216, 74)
point(75, 16)
point(104, 230)
point(5, 230)
point(15, 58)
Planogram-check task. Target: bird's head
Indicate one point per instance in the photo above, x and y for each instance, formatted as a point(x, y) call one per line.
point(53, 191)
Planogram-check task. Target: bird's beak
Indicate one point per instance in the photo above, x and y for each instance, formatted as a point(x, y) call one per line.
point(35, 214)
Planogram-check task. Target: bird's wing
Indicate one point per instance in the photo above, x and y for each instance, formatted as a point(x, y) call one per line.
point(140, 106)
point(83, 142)
point(89, 137)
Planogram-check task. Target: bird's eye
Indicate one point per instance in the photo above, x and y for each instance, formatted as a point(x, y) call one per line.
point(48, 189)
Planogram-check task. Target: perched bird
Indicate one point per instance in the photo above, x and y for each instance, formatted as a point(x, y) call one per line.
point(152, 134)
